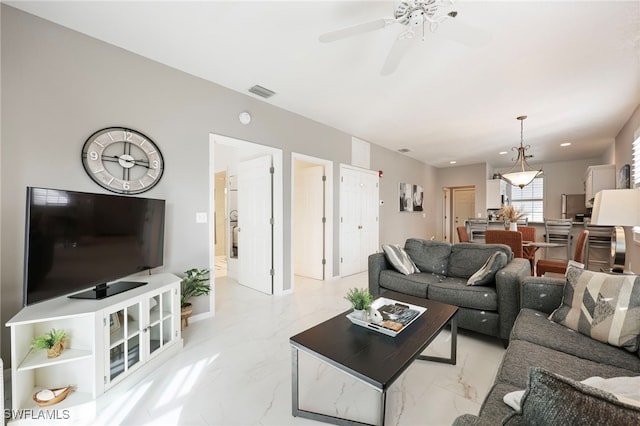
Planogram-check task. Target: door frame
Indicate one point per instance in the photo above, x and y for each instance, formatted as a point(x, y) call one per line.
point(328, 210)
point(450, 192)
point(278, 202)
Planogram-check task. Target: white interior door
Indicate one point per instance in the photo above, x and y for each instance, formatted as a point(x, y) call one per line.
point(358, 219)
point(255, 217)
point(369, 211)
point(308, 222)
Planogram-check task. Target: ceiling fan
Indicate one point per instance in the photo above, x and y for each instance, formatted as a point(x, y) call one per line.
point(416, 15)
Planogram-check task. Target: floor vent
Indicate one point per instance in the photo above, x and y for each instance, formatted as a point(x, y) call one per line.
point(261, 91)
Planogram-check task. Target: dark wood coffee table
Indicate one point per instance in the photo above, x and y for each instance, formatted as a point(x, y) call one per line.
point(368, 355)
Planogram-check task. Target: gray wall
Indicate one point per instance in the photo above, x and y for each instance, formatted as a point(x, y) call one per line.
point(396, 226)
point(59, 86)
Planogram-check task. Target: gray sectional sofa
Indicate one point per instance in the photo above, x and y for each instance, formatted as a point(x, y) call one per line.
point(445, 268)
point(549, 360)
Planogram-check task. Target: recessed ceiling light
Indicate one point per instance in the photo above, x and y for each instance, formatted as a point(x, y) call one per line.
point(453, 162)
point(565, 144)
point(502, 152)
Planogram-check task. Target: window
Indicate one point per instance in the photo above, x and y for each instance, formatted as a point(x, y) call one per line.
point(530, 199)
point(636, 162)
point(635, 176)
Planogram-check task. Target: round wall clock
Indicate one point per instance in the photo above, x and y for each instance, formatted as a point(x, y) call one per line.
point(122, 160)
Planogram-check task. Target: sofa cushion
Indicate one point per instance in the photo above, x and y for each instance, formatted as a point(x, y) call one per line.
point(522, 354)
point(493, 409)
point(552, 399)
point(429, 256)
point(535, 327)
point(414, 284)
point(603, 306)
point(455, 291)
point(486, 275)
point(399, 259)
point(467, 258)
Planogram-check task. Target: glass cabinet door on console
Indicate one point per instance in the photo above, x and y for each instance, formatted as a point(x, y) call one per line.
point(124, 328)
point(138, 330)
point(161, 320)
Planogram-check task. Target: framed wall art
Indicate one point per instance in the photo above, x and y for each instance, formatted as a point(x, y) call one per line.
point(411, 197)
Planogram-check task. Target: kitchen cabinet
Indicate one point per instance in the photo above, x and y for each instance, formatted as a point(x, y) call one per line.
point(596, 179)
point(497, 193)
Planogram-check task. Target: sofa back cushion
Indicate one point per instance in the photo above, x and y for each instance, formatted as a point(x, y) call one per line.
point(467, 258)
point(429, 256)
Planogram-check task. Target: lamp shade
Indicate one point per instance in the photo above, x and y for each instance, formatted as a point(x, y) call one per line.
point(616, 207)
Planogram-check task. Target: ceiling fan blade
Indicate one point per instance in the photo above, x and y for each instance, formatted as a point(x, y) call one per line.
point(355, 30)
point(398, 50)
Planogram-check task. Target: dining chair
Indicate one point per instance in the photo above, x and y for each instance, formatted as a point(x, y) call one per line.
point(476, 229)
point(463, 236)
point(511, 238)
point(545, 265)
point(529, 234)
point(598, 251)
point(558, 231)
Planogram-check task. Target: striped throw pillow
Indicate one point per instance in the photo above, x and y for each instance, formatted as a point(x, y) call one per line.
point(399, 258)
point(602, 306)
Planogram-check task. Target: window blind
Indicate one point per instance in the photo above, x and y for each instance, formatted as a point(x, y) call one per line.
point(530, 199)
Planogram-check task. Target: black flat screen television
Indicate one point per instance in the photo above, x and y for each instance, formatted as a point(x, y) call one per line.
point(77, 240)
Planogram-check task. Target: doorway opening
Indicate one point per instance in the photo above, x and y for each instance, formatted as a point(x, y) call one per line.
point(459, 204)
point(312, 217)
point(252, 214)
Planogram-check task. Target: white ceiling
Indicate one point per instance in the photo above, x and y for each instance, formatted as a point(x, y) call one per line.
point(572, 67)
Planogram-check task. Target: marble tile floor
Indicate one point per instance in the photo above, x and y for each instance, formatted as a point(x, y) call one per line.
point(235, 369)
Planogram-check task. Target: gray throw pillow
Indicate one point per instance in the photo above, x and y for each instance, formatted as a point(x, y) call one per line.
point(399, 258)
point(602, 306)
point(551, 399)
point(487, 273)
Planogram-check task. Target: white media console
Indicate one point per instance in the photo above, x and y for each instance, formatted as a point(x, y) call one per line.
point(109, 340)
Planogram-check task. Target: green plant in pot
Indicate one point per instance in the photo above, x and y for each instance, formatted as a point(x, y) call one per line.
point(53, 342)
point(195, 283)
point(361, 300)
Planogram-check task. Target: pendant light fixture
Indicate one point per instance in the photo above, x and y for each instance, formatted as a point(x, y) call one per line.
point(521, 173)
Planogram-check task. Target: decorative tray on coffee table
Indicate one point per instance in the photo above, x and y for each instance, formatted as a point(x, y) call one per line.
point(396, 316)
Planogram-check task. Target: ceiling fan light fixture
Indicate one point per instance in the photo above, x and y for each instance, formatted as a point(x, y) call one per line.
point(521, 173)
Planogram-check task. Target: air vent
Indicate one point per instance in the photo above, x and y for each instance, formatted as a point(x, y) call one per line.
point(261, 91)
point(404, 150)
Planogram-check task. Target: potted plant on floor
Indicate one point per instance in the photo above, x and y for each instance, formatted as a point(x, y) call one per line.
point(361, 300)
point(53, 342)
point(195, 283)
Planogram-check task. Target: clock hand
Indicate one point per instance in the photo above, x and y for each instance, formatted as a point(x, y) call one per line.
point(115, 159)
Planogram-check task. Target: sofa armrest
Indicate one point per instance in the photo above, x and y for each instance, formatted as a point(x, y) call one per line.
point(377, 263)
point(541, 293)
point(508, 288)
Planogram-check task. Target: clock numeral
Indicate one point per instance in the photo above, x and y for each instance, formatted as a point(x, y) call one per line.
point(126, 185)
point(155, 164)
point(93, 155)
point(127, 136)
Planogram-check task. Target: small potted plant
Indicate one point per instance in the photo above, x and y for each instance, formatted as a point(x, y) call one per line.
point(53, 342)
point(511, 216)
point(361, 300)
point(195, 283)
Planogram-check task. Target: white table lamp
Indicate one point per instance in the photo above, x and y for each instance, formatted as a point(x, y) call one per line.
point(618, 208)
